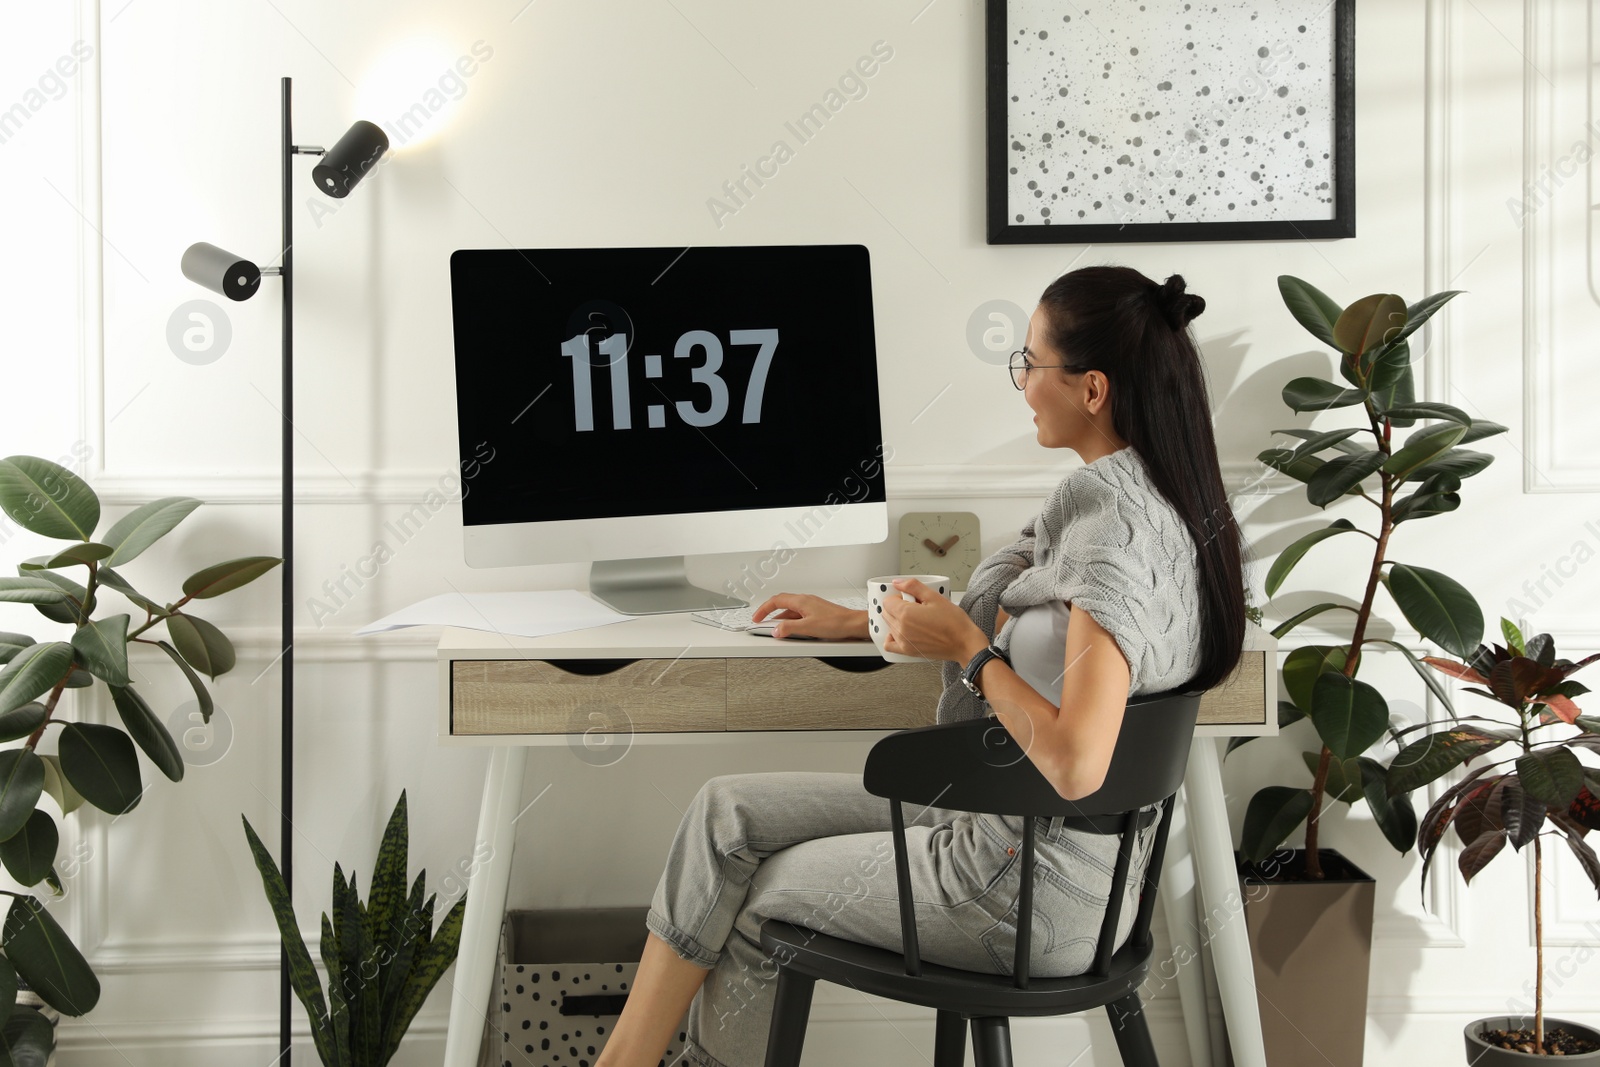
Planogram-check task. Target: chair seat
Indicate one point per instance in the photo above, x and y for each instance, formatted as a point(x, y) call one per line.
point(882, 972)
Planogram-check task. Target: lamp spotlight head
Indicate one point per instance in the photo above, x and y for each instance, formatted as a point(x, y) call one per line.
point(348, 161)
point(221, 271)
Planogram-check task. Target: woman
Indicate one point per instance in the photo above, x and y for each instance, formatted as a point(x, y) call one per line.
point(1138, 549)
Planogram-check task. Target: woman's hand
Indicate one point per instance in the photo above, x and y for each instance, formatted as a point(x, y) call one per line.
point(933, 628)
point(804, 615)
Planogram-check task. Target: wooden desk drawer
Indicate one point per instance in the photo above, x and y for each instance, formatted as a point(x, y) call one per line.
point(844, 693)
point(572, 696)
point(1237, 701)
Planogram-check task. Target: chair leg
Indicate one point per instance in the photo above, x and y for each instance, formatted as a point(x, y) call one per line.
point(991, 1041)
point(1132, 1032)
point(791, 1010)
point(950, 1040)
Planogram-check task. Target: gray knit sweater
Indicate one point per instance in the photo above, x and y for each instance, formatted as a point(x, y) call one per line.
point(1108, 542)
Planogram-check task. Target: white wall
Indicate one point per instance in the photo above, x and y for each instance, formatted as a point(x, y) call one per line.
point(613, 123)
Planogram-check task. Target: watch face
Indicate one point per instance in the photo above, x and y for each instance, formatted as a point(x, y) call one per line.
point(940, 542)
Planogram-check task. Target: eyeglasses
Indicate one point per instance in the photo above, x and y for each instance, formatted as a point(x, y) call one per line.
point(1020, 366)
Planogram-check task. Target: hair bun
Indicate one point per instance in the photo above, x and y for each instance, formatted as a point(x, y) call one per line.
point(1179, 307)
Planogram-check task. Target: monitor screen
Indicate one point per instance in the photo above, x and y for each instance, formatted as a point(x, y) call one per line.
point(615, 382)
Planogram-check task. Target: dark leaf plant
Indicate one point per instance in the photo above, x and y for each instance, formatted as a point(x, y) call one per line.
point(93, 762)
point(382, 956)
point(1540, 789)
point(1403, 482)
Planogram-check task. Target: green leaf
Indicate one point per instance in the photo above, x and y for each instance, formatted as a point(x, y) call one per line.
point(1419, 409)
point(224, 577)
point(67, 798)
point(72, 608)
point(1369, 322)
point(1422, 310)
point(1431, 757)
point(1317, 394)
point(1480, 429)
point(1423, 503)
point(302, 972)
point(1459, 462)
point(201, 694)
point(47, 499)
point(21, 781)
point(338, 1008)
point(1310, 307)
point(30, 590)
point(1552, 775)
point(8, 993)
point(102, 765)
point(33, 672)
point(1290, 556)
point(1331, 439)
point(1348, 447)
point(148, 732)
point(20, 722)
point(1513, 636)
point(113, 580)
point(1304, 665)
point(1342, 475)
point(47, 959)
point(1299, 617)
point(1424, 446)
point(1438, 606)
point(29, 853)
point(1483, 848)
point(73, 556)
point(1349, 714)
point(1284, 461)
point(204, 646)
point(1391, 380)
point(145, 525)
point(388, 888)
point(1394, 814)
point(430, 965)
point(102, 647)
point(27, 1036)
point(11, 644)
point(1272, 816)
point(1344, 777)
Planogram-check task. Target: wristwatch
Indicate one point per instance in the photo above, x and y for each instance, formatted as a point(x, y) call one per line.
point(969, 677)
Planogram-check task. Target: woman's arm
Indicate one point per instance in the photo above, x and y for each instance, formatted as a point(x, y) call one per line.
point(1073, 750)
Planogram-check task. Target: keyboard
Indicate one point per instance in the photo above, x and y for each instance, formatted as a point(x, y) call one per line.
point(742, 619)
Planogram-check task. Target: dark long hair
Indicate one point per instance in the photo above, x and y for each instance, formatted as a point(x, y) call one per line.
point(1135, 332)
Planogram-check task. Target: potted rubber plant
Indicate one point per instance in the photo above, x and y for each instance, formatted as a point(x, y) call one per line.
point(383, 956)
point(1317, 902)
point(1529, 786)
point(94, 763)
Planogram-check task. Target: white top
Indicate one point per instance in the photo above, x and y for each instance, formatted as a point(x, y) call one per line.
point(1037, 645)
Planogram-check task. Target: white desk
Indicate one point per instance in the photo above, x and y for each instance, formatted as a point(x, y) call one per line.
point(510, 692)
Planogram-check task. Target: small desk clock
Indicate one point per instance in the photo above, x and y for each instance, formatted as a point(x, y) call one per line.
point(944, 542)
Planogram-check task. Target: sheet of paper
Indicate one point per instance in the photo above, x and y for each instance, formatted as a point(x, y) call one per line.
point(531, 614)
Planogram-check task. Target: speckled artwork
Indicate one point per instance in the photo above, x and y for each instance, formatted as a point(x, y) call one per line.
point(1123, 112)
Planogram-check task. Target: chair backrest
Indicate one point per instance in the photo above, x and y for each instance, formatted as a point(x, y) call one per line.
point(977, 766)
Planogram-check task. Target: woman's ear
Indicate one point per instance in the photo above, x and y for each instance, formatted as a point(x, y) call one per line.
point(1099, 391)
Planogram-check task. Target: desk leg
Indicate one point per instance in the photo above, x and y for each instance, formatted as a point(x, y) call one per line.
point(486, 906)
point(1224, 907)
point(1178, 905)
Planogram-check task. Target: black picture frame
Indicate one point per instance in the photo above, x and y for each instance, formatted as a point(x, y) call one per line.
point(1004, 229)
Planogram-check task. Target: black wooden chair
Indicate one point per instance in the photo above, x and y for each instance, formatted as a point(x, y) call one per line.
point(977, 766)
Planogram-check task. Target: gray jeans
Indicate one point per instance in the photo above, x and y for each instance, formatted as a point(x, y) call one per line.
point(816, 850)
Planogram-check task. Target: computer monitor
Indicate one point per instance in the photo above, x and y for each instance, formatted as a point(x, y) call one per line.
point(627, 406)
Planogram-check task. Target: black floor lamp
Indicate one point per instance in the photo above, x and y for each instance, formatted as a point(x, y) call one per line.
point(237, 278)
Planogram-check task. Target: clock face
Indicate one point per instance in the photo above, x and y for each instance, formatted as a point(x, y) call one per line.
point(940, 542)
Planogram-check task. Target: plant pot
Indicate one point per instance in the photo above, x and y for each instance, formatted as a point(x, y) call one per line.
point(1482, 1054)
point(27, 998)
point(1311, 942)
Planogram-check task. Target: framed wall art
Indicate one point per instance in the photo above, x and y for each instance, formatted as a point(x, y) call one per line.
point(1170, 121)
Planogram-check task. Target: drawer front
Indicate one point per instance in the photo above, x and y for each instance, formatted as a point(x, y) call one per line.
point(803, 693)
point(566, 697)
point(1237, 701)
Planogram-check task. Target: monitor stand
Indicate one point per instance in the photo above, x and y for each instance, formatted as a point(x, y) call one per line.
point(654, 586)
